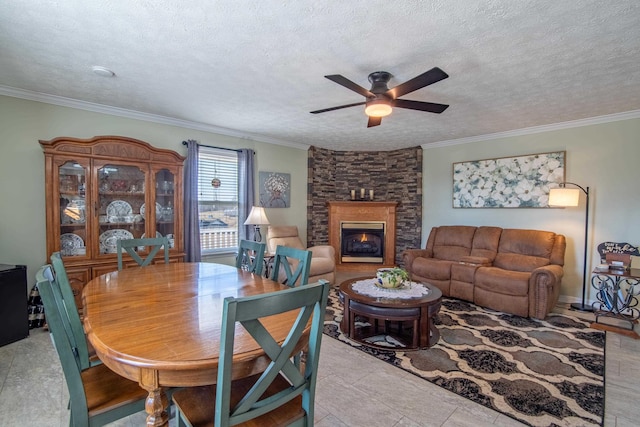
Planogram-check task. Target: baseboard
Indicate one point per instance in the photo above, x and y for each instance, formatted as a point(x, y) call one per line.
point(567, 299)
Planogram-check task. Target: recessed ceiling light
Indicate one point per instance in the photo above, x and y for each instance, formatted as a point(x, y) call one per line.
point(102, 71)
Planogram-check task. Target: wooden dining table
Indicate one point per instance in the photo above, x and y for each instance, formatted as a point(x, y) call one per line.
point(160, 326)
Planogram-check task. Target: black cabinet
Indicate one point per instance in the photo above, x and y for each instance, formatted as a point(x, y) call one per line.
point(13, 303)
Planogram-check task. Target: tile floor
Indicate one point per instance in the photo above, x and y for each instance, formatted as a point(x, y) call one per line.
point(354, 389)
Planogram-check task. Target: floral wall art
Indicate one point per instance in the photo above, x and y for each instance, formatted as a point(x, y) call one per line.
point(275, 189)
point(508, 182)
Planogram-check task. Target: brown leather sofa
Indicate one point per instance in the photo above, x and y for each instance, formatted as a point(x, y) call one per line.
point(511, 270)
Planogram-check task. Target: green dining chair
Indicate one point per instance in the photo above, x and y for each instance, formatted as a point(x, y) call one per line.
point(86, 355)
point(251, 256)
point(131, 246)
point(283, 394)
point(287, 258)
point(98, 395)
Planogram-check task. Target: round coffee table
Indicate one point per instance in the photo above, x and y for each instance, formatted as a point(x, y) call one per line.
point(419, 310)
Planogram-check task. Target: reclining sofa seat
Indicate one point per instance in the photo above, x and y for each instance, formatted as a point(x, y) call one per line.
point(512, 270)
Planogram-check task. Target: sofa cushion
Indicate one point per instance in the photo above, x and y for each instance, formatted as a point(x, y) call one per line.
point(485, 242)
point(430, 268)
point(453, 242)
point(463, 272)
point(524, 250)
point(505, 282)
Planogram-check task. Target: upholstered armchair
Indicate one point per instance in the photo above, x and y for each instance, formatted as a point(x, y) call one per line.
point(323, 262)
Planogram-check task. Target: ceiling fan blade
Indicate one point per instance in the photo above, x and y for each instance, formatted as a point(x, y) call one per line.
point(343, 81)
point(425, 79)
point(419, 105)
point(374, 121)
point(337, 108)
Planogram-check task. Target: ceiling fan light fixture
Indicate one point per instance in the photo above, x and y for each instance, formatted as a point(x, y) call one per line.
point(378, 108)
point(380, 100)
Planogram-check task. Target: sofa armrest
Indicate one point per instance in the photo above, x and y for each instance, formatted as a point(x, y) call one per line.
point(409, 255)
point(322, 251)
point(544, 290)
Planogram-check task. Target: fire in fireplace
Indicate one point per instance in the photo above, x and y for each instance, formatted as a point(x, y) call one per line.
point(362, 242)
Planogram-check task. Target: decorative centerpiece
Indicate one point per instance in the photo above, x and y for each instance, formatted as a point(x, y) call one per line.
point(392, 278)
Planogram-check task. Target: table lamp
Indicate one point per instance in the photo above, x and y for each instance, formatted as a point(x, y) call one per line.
point(566, 197)
point(257, 217)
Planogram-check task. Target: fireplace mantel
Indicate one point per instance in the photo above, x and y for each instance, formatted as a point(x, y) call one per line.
point(340, 211)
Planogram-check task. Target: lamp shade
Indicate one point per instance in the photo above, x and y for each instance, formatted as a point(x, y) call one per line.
point(257, 216)
point(378, 108)
point(564, 197)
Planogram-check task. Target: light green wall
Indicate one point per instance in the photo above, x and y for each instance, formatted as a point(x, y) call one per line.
point(604, 157)
point(22, 206)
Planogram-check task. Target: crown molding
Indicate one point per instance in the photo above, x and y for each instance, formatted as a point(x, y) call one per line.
point(634, 114)
point(137, 115)
point(155, 118)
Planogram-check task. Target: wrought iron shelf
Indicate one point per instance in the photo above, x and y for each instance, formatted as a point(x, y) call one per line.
point(617, 297)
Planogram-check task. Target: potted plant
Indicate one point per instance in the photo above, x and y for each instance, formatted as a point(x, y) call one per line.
point(391, 278)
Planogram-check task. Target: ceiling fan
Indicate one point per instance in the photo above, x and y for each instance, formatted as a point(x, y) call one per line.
point(381, 100)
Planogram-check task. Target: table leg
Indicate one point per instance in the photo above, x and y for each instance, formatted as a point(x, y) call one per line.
point(344, 325)
point(425, 326)
point(157, 404)
point(434, 309)
point(156, 407)
point(429, 333)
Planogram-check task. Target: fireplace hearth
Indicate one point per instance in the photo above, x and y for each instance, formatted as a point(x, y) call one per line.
point(362, 242)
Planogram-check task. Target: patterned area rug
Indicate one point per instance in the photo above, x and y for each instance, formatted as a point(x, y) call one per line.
point(542, 373)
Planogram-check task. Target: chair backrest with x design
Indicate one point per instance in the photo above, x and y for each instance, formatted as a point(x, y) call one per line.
point(98, 396)
point(131, 246)
point(287, 258)
point(251, 256)
point(282, 387)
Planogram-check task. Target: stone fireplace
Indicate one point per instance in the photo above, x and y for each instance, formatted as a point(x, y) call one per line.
point(363, 234)
point(395, 176)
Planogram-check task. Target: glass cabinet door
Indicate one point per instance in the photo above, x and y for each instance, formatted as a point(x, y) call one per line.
point(72, 208)
point(165, 203)
point(121, 206)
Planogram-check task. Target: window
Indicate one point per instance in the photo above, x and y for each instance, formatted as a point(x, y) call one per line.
point(218, 200)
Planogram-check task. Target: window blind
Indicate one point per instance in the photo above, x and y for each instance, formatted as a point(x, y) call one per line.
point(221, 165)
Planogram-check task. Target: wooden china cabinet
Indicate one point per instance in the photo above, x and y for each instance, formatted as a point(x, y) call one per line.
point(107, 188)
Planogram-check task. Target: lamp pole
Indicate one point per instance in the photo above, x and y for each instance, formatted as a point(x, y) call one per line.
point(582, 306)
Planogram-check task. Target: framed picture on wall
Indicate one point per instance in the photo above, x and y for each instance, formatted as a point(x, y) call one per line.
point(508, 182)
point(275, 189)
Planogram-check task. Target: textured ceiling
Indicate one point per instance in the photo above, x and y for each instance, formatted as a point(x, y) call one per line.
point(256, 67)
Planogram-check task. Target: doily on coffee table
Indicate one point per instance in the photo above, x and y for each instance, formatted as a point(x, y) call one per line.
point(368, 287)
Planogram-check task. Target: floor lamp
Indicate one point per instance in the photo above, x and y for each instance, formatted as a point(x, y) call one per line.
point(566, 197)
point(257, 217)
